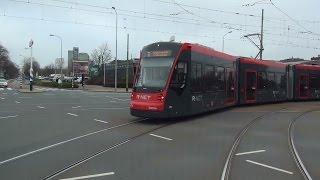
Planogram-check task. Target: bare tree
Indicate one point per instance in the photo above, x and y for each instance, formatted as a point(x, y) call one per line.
point(12, 70)
point(8, 69)
point(26, 66)
point(101, 54)
point(47, 70)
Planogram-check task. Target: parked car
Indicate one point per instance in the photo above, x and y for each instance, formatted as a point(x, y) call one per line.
point(40, 78)
point(3, 83)
point(78, 80)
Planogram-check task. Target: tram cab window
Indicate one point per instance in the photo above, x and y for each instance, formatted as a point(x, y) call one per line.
point(179, 75)
point(262, 83)
point(220, 79)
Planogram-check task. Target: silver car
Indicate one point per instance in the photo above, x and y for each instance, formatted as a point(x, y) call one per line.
point(3, 83)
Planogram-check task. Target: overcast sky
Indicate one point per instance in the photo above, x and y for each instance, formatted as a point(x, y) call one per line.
point(88, 24)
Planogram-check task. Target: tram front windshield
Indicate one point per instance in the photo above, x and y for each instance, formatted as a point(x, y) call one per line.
point(154, 73)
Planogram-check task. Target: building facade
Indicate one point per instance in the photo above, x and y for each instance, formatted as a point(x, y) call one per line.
point(78, 63)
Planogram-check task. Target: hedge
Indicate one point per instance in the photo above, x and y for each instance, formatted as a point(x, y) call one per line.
point(55, 84)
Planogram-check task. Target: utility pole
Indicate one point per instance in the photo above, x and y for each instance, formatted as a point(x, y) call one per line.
point(104, 72)
point(127, 68)
point(31, 68)
point(261, 40)
point(116, 60)
point(260, 35)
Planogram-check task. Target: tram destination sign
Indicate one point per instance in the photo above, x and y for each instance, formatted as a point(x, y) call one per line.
point(162, 53)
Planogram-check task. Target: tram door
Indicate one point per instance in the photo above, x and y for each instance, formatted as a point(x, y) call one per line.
point(251, 86)
point(230, 86)
point(304, 86)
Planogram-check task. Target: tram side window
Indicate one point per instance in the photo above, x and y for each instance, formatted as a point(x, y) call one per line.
point(209, 78)
point(271, 80)
point(196, 73)
point(315, 82)
point(262, 80)
point(282, 80)
point(219, 79)
point(278, 81)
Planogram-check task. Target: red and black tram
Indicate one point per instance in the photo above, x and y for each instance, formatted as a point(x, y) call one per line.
point(182, 79)
point(305, 82)
point(261, 81)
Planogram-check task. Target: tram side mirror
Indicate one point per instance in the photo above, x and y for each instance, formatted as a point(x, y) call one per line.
point(179, 77)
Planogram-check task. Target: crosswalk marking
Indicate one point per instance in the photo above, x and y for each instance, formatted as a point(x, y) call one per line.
point(2, 89)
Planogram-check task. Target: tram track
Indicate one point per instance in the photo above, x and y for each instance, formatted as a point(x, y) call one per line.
point(294, 153)
point(227, 167)
point(104, 150)
point(3, 162)
point(293, 148)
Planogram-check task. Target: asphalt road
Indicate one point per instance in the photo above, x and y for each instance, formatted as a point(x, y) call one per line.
point(70, 134)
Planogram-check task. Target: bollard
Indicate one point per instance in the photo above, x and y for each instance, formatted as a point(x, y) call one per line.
point(72, 83)
point(31, 88)
point(20, 84)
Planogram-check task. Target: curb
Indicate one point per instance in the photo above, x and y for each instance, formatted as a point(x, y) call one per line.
point(28, 91)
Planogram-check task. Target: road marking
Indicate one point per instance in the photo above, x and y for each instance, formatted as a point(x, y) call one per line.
point(289, 111)
point(89, 176)
point(72, 114)
point(70, 140)
point(113, 101)
point(250, 152)
point(100, 121)
point(161, 137)
point(270, 167)
point(17, 102)
point(2, 98)
point(75, 107)
point(9, 89)
point(1, 89)
point(8, 117)
point(41, 107)
point(25, 97)
point(15, 93)
point(117, 98)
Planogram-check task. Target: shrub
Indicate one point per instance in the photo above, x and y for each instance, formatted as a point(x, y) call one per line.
point(55, 84)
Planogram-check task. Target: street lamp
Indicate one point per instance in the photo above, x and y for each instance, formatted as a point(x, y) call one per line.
point(223, 40)
point(60, 52)
point(116, 63)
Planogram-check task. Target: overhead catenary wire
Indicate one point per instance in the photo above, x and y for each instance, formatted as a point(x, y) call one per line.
point(230, 12)
point(172, 19)
point(223, 25)
point(143, 30)
point(299, 24)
